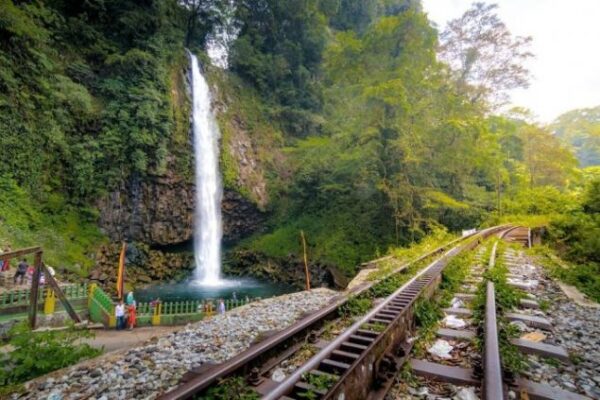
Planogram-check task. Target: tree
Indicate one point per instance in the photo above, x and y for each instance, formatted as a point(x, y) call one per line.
point(486, 59)
point(547, 161)
point(581, 129)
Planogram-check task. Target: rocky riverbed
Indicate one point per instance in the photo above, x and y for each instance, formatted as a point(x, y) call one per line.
point(147, 371)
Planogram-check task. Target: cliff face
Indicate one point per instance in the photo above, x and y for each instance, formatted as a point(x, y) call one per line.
point(156, 214)
point(160, 212)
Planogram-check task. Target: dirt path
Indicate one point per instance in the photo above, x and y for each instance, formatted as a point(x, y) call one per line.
point(115, 340)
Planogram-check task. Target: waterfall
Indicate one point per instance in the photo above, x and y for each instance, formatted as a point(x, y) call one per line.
point(209, 192)
point(223, 34)
point(207, 224)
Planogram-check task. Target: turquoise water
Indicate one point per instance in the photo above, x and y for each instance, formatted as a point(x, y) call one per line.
point(192, 290)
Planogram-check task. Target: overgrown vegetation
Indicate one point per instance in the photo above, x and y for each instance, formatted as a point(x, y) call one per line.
point(428, 312)
point(585, 277)
point(234, 388)
point(67, 234)
point(363, 137)
point(507, 297)
point(35, 354)
point(356, 306)
point(318, 382)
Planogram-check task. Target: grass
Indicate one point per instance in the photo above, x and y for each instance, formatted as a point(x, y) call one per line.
point(585, 277)
point(68, 235)
point(355, 306)
point(36, 354)
point(234, 388)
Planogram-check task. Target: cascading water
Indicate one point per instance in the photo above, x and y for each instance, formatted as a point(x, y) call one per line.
point(209, 192)
point(207, 230)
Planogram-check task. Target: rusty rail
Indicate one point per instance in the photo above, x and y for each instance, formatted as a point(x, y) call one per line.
point(208, 376)
point(360, 357)
point(205, 377)
point(492, 372)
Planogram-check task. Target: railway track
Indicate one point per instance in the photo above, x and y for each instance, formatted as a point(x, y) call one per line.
point(357, 362)
point(363, 361)
point(489, 376)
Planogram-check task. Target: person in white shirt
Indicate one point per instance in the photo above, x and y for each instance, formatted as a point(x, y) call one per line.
point(120, 314)
point(221, 307)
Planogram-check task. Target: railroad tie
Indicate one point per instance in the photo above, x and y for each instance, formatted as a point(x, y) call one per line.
point(463, 312)
point(455, 334)
point(538, 391)
point(541, 349)
point(530, 320)
point(445, 373)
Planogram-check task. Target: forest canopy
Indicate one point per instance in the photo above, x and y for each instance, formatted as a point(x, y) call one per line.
point(388, 126)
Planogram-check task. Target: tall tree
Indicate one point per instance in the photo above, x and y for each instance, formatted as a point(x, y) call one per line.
point(486, 59)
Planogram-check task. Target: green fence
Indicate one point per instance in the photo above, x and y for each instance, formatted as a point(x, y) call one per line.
point(101, 307)
point(21, 297)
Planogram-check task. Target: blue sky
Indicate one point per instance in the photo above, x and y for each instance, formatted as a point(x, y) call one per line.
point(566, 44)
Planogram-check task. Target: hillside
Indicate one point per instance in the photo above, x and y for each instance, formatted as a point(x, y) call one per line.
point(581, 129)
point(337, 119)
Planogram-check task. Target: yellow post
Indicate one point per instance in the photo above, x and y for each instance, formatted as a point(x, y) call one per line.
point(49, 302)
point(91, 290)
point(156, 316)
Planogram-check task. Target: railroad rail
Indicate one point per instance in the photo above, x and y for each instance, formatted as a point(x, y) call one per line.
point(395, 312)
point(488, 374)
point(361, 362)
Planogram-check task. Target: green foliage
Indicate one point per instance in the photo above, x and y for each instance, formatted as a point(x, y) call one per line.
point(427, 313)
point(507, 297)
point(67, 234)
point(576, 236)
point(234, 388)
point(388, 285)
point(279, 51)
point(35, 354)
point(581, 130)
point(85, 100)
point(318, 382)
point(356, 306)
point(584, 276)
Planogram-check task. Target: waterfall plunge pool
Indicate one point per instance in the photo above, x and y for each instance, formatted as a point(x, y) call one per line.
point(191, 289)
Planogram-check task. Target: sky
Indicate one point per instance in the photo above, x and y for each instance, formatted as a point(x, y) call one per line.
point(566, 45)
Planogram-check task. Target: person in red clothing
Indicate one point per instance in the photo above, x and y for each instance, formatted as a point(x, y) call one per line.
point(131, 315)
point(5, 264)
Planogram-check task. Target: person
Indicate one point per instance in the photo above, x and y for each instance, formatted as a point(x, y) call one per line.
point(154, 303)
point(234, 296)
point(29, 273)
point(131, 310)
point(129, 299)
point(5, 263)
point(221, 309)
point(21, 270)
point(120, 314)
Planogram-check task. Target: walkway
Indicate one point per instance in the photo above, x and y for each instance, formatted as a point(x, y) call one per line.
point(112, 339)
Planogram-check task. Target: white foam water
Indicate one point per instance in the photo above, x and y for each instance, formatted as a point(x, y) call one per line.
point(208, 229)
point(209, 192)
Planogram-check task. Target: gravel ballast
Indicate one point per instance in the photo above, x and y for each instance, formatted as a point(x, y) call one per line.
point(149, 370)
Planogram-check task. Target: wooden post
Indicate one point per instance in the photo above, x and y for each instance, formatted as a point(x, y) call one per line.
point(305, 261)
point(50, 280)
point(35, 285)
